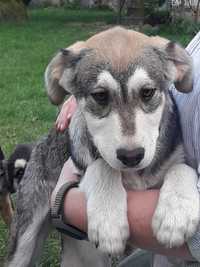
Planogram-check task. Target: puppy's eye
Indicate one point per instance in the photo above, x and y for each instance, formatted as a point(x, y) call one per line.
point(146, 94)
point(101, 97)
point(19, 172)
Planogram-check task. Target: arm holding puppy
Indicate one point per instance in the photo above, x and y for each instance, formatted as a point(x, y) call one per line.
point(139, 222)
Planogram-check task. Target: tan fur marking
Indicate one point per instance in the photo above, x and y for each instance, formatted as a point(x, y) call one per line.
point(159, 42)
point(57, 64)
point(54, 73)
point(118, 45)
point(6, 208)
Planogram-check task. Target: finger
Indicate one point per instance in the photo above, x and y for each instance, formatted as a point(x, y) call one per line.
point(62, 121)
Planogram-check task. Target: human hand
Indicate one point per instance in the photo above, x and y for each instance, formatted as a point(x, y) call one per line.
point(66, 112)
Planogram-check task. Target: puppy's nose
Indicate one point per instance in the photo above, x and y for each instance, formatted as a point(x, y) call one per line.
point(130, 158)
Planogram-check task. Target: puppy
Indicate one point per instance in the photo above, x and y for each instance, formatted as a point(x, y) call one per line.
point(11, 173)
point(125, 134)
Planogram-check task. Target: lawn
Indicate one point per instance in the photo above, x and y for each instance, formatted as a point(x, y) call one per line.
point(25, 49)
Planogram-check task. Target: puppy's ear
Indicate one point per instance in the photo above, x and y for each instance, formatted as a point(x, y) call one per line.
point(1, 154)
point(59, 73)
point(183, 76)
point(180, 68)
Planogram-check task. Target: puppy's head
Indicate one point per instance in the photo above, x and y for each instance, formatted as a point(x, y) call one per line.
point(120, 79)
point(11, 172)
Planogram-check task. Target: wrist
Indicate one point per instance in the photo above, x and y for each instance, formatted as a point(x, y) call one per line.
point(75, 209)
point(57, 213)
point(141, 207)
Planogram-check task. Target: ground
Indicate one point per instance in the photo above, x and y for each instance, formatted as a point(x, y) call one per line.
point(25, 50)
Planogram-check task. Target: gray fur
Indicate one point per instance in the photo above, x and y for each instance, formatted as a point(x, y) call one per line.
point(38, 182)
point(33, 201)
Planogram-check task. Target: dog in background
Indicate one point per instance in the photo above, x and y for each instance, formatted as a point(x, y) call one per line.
point(11, 173)
point(125, 134)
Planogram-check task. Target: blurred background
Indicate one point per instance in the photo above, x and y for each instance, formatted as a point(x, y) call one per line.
point(32, 31)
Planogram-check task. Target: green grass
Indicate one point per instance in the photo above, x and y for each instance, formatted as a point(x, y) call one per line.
point(25, 49)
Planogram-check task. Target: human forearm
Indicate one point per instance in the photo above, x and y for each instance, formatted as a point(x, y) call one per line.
point(139, 216)
point(141, 207)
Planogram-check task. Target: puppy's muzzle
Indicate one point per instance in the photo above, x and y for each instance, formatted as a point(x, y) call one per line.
point(131, 158)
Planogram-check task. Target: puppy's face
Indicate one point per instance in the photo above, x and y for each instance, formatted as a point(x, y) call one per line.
point(123, 108)
point(120, 79)
point(11, 174)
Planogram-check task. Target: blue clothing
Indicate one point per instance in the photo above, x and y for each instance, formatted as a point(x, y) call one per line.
point(189, 109)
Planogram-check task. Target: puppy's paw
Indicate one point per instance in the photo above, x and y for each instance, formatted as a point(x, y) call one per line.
point(175, 220)
point(108, 232)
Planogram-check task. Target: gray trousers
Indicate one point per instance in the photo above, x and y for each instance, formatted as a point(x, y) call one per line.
point(142, 258)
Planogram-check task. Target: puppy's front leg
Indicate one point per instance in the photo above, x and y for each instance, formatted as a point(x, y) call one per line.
point(178, 211)
point(106, 207)
point(6, 208)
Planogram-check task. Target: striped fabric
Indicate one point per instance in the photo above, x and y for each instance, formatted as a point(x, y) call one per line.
point(189, 109)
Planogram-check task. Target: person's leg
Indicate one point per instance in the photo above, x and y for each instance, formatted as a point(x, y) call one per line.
point(140, 258)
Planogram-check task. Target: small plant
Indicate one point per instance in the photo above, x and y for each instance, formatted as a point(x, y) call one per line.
point(158, 17)
point(185, 25)
point(150, 30)
point(72, 4)
point(26, 2)
point(12, 10)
